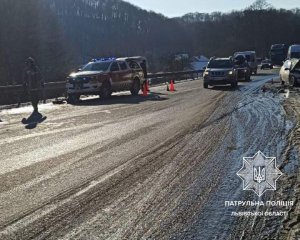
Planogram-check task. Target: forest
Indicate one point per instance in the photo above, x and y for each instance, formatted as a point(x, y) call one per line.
point(64, 34)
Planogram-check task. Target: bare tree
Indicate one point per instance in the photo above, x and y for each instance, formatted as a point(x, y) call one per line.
point(260, 5)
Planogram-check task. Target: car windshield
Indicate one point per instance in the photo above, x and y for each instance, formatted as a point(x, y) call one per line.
point(248, 58)
point(97, 66)
point(277, 51)
point(220, 64)
point(295, 55)
point(297, 66)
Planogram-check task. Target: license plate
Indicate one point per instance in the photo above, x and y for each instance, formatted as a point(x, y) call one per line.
point(218, 78)
point(78, 86)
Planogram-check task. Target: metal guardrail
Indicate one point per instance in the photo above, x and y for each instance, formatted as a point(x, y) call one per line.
point(50, 85)
point(60, 84)
point(175, 74)
point(54, 89)
point(158, 78)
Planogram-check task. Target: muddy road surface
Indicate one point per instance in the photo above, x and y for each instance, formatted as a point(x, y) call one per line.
point(156, 167)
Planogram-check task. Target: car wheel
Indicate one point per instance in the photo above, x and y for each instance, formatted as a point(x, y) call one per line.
point(248, 78)
point(281, 80)
point(73, 98)
point(205, 85)
point(135, 87)
point(105, 91)
point(292, 81)
point(234, 84)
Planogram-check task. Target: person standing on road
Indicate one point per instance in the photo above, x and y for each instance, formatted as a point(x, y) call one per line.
point(144, 68)
point(32, 82)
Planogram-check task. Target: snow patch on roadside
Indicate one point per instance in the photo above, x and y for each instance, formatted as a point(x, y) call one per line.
point(28, 109)
point(3, 122)
point(266, 126)
point(257, 122)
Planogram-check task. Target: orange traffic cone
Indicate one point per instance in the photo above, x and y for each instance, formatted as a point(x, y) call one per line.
point(172, 87)
point(145, 92)
point(147, 85)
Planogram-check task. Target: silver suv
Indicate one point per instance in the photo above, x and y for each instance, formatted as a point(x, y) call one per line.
point(220, 71)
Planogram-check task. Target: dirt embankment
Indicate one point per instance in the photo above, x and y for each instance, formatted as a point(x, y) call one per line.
point(291, 225)
point(285, 227)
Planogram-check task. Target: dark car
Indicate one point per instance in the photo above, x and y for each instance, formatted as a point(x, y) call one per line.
point(250, 57)
point(278, 53)
point(266, 64)
point(220, 71)
point(242, 66)
point(103, 77)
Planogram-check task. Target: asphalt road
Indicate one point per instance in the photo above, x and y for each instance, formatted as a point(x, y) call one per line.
point(156, 167)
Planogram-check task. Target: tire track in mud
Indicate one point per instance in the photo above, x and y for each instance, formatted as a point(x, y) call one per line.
point(257, 122)
point(286, 227)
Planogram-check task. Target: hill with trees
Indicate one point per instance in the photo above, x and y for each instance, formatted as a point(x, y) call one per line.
point(28, 28)
point(63, 34)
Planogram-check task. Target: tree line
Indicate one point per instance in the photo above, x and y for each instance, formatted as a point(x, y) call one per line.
point(63, 34)
point(28, 29)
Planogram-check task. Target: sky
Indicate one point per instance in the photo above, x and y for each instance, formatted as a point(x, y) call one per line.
point(175, 8)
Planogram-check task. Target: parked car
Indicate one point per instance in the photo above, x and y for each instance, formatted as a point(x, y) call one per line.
point(278, 53)
point(251, 60)
point(259, 60)
point(142, 61)
point(242, 67)
point(220, 71)
point(266, 64)
point(103, 77)
point(290, 72)
point(294, 51)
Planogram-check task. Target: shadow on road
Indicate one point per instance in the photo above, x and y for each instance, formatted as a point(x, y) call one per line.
point(33, 120)
point(224, 88)
point(263, 74)
point(123, 99)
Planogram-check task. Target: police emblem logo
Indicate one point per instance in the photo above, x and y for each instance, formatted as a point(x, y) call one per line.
point(259, 173)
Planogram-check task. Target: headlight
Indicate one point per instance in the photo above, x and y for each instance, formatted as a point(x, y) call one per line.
point(206, 73)
point(70, 80)
point(230, 72)
point(245, 70)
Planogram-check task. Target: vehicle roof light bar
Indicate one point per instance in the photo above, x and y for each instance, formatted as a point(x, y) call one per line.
point(103, 59)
